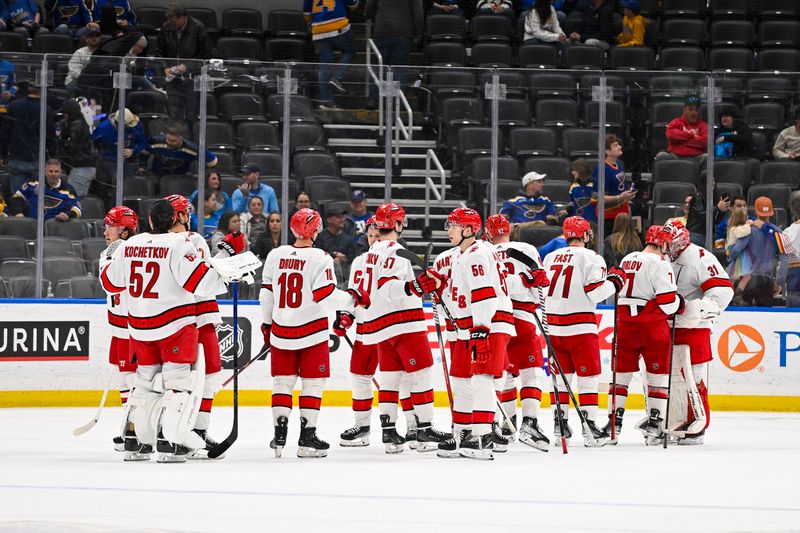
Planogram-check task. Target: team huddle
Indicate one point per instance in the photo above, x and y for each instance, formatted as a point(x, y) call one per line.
point(501, 306)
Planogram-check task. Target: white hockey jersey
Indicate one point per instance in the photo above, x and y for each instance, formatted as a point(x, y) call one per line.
point(443, 265)
point(161, 273)
point(392, 312)
point(577, 284)
point(359, 280)
point(207, 308)
point(116, 303)
point(698, 274)
point(649, 292)
point(478, 292)
point(298, 291)
point(524, 300)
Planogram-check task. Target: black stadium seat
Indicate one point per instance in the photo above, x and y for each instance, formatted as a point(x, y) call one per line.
point(682, 58)
point(585, 57)
point(287, 23)
point(778, 9)
point(556, 113)
point(579, 142)
point(240, 21)
point(730, 59)
point(314, 164)
point(491, 28)
point(13, 247)
point(540, 56)
point(257, 135)
point(286, 49)
point(445, 27)
point(736, 9)
point(238, 48)
point(492, 55)
point(533, 142)
point(326, 190)
point(632, 58)
point(445, 54)
point(539, 235)
point(676, 170)
point(556, 168)
point(672, 193)
point(23, 227)
point(784, 60)
point(780, 173)
point(270, 163)
point(689, 32)
point(779, 194)
point(52, 43)
point(683, 8)
point(74, 229)
point(779, 34)
point(732, 33)
point(86, 287)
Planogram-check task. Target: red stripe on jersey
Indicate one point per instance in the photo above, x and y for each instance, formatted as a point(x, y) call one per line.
point(563, 398)
point(406, 403)
point(464, 323)
point(281, 400)
point(571, 319)
point(449, 325)
point(464, 419)
point(385, 280)
point(592, 286)
point(310, 402)
point(422, 398)
point(362, 405)
point(107, 285)
point(621, 390)
point(482, 417)
point(587, 399)
point(301, 331)
point(530, 393)
point(388, 396)
point(503, 316)
point(715, 282)
point(484, 293)
point(206, 307)
point(509, 395)
point(392, 319)
point(323, 292)
point(160, 320)
point(524, 306)
point(657, 392)
point(267, 286)
point(359, 329)
point(118, 321)
point(205, 405)
point(665, 298)
point(196, 277)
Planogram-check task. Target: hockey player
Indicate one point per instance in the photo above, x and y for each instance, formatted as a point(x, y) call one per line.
point(525, 347)
point(208, 318)
point(648, 297)
point(120, 224)
point(707, 290)
point(396, 324)
point(578, 282)
point(161, 273)
point(298, 291)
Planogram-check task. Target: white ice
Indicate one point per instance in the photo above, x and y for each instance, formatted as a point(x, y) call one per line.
point(743, 479)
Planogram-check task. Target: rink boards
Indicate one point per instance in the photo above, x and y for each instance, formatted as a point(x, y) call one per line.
point(55, 353)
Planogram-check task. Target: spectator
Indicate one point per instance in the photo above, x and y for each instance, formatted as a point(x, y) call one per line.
point(685, 217)
point(763, 248)
point(740, 264)
point(531, 205)
point(228, 223)
point(123, 14)
point(396, 24)
point(68, 17)
point(270, 239)
point(335, 241)
point(582, 192)
point(542, 25)
point(356, 224)
point(734, 138)
point(618, 191)
point(787, 143)
point(3, 206)
point(330, 31)
point(559, 5)
point(622, 241)
point(61, 201)
point(8, 89)
point(140, 80)
point(213, 182)
point(173, 154)
point(445, 7)
point(251, 187)
point(75, 147)
point(26, 16)
point(5, 18)
point(687, 135)
point(94, 81)
point(696, 217)
point(633, 25)
point(80, 58)
point(105, 141)
point(738, 203)
point(254, 223)
point(598, 26)
point(789, 268)
point(182, 38)
point(495, 7)
point(302, 201)
point(554, 244)
point(19, 135)
point(212, 212)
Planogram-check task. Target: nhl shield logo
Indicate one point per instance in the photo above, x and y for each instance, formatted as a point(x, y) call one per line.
point(225, 336)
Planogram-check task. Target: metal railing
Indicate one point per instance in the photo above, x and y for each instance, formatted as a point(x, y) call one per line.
point(400, 126)
point(377, 79)
point(430, 157)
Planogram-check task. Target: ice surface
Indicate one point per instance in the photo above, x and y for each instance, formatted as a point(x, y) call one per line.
point(743, 479)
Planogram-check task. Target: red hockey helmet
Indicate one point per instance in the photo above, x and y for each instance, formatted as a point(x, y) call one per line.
point(654, 234)
point(121, 216)
point(370, 222)
point(305, 222)
point(497, 225)
point(466, 218)
point(387, 215)
point(577, 228)
point(179, 203)
point(679, 238)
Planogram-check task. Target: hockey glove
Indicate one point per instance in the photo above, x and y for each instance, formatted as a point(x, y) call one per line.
point(532, 279)
point(479, 344)
point(617, 278)
point(681, 305)
point(343, 321)
point(425, 283)
point(360, 296)
point(233, 243)
point(265, 331)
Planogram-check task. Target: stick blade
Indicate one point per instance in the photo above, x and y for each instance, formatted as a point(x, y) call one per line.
point(222, 447)
point(411, 256)
point(522, 257)
point(77, 432)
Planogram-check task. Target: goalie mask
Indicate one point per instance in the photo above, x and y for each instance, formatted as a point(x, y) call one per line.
point(679, 238)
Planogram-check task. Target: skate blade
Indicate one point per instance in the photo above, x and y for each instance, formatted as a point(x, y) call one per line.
point(690, 441)
point(278, 450)
point(480, 455)
point(424, 447)
point(355, 443)
point(305, 452)
point(202, 455)
point(591, 442)
point(170, 458)
point(448, 454)
point(136, 456)
point(500, 448)
point(412, 444)
point(540, 445)
point(119, 447)
point(393, 449)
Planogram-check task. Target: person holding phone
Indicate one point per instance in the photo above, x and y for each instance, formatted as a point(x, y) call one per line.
point(619, 192)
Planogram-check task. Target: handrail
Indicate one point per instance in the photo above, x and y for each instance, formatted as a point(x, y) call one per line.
point(400, 125)
point(372, 48)
point(430, 156)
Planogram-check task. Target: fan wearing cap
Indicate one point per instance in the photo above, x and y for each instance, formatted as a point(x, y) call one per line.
point(356, 224)
point(687, 135)
point(173, 154)
point(531, 205)
point(104, 137)
point(251, 187)
point(334, 240)
point(764, 246)
point(633, 25)
point(734, 138)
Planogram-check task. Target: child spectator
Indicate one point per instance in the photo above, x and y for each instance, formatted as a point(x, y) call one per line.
point(633, 25)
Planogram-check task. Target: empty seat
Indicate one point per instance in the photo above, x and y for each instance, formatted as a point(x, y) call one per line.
point(672, 87)
point(257, 135)
point(507, 168)
point(218, 134)
point(314, 164)
point(238, 106)
point(730, 59)
point(516, 82)
point(300, 107)
point(615, 115)
point(779, 34)
point(276, 184)
point(768, 89)
point(93, 207)
point(632, 58)
point(86, 287)
point(20, 226)
point(207, 16)
point(287, 23)
point(732, 190)
point(784, 60)
point(558, 113)
point(451, 82)
point(238, 48)
point(74, 229)
point(491, 28)
point(557, 190)
point(590, 84)
point(326, 190)
point(556, 168)
point(11, 268)
point(668, 192)
point(445, 27)
point(540, 56)
point(683, 8)
point(779, 194)
point(61, 268)
point(676, 170)
point(662, 213)
point(91, 247)
point(456, 113)
point(241, 21)
point(536, 142)
point(150, 17)
point(682, 58)
point(473, 141)
point(539, 235)
point(25, 287)
point(768, 116)
point(732, 172)
point(732, 33)
point(52, 43)
point(778, 9)
point(147, 103)
point(729, 9)
point(304, 136)
point(690, 32)
point(553, 84)
point(286, 49)
point(12, 42)
point(184, 185)
point(505, 189)
point(13, 247)
point(492, 54)
point(585, 57)
point(780, 172)
point(579, 142)
point(445, 54)
point(511, 113)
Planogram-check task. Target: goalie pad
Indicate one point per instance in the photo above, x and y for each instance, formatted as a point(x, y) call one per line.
point(696, 311)
point(236, 268)
point(685, 398)
point(182, 403)
point(146, 403)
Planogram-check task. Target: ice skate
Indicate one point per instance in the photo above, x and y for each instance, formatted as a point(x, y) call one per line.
point(531, 435)
point(391, 439)
point(692, 440)
point(651, 427)
point(281, 431)
point(169, 452)
point(557, 430)
point(119, 444)
point(618, 430)
point(507, 433)
point(478, 447)
point(449, 448)
point(354, 437)
point(428, 438)
point(500, 441)
point(593, 436)
point(411, 437)
point(202, 453)
point(135, 450)
point(310, 445)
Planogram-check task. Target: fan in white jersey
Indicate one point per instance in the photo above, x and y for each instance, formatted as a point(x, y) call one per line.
point(789, 268)
point(120, 224)
point(396, 324)
point(525, 357)
point(578, 282)
point(707, 289)
point(645, 303)
point(162, 273)
point(298, 292)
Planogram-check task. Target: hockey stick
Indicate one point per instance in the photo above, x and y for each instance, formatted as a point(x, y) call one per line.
point(551, 357)
point(352, 347)
point(223, 446)
point(614, 374)
point(264, 350)
point(439, 337)
point(669, 379)
point(89, 425)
